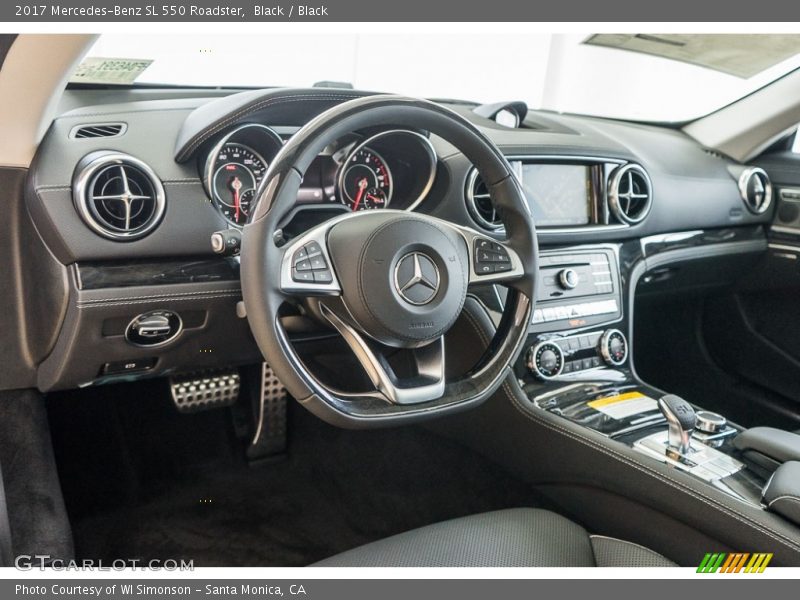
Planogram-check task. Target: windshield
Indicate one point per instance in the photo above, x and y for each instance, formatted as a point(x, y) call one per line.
point(664, 78)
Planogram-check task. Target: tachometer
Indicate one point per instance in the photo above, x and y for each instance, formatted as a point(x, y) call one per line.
point(239, 171)
point(365, 181)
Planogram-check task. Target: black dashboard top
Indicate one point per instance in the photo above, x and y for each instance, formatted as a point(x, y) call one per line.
point(176, 138)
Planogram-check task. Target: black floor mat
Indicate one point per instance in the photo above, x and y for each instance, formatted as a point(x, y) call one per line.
point(141, 481)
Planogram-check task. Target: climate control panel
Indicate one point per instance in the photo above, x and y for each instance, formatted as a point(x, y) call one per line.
point(559, 356)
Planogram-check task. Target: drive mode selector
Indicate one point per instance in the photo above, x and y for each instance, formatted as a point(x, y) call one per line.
point(545, 360)
point(614, 347)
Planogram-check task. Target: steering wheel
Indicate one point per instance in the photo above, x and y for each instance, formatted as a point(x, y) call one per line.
point(388, 279)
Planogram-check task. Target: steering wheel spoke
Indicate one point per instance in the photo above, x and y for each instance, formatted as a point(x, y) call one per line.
point(427, 385)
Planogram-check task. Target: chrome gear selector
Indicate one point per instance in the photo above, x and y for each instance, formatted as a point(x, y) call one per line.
point(681, 419)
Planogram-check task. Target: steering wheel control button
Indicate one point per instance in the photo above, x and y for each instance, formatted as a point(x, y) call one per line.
point(568, 279)
point(313, 248)
point(323, 276)
point(317, 263)
point(300, 255)
point(545, 360)
point(613, 347)
point(309, 265)
point(490, 257)
point(303, 276)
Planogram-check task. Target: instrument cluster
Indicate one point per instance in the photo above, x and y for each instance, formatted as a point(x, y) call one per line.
point(390, 168)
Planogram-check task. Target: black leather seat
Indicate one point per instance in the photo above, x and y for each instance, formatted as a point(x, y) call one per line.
point(521, 537)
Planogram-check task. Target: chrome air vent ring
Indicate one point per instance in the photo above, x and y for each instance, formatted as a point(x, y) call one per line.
point(480, 205)
point(630, 194)
point(118, 196)
point(756, 190)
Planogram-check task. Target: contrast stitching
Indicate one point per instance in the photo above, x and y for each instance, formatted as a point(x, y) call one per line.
point(648, 471)
point(159, 299)
point(477, 326)
point(204, 135)
point(785, 497)
point(80, 116)
point(157, 296)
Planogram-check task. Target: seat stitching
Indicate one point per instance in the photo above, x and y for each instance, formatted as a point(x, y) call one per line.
point(784, 497)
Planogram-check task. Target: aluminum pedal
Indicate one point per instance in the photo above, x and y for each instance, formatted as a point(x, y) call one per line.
point(203, 390)
point(269, 437)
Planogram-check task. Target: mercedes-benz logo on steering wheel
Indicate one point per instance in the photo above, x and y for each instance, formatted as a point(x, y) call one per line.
point(416, 278)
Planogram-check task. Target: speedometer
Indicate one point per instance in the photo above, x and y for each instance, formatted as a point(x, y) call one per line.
point(239, 170)
point(365, 181)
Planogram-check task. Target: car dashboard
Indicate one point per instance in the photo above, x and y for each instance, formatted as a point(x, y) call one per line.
point(125, 194)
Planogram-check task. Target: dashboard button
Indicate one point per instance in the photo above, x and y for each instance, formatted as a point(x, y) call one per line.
point(128, 366)
point(303, 265)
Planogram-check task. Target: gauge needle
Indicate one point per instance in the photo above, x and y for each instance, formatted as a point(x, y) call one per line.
point(236, 185)
point(362, 185)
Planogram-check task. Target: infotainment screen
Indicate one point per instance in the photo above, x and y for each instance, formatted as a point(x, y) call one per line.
point(559, 195)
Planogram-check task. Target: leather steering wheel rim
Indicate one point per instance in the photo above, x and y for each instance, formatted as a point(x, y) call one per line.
point(263, 260)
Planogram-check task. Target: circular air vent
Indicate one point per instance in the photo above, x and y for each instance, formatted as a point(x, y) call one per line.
point(630, 193)
point(756, 189)
point(118, 196)
point(480, 204)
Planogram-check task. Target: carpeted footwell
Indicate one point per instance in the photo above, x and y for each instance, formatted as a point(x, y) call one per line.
point(141, 481)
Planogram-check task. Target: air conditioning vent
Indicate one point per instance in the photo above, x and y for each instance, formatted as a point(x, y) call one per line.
point(756, 190)
point(480, 204)
point(118, 196)
point(630, 194)
point(99, 130)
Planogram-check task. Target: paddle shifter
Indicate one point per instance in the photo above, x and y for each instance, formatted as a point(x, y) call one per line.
point(681, 420)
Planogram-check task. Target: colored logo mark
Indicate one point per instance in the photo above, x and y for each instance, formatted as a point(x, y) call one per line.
point(735, 562)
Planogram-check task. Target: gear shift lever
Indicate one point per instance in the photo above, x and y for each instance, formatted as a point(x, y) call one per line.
point(681, 420)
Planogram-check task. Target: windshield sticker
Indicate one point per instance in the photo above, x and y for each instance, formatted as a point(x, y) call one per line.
point(115, 71)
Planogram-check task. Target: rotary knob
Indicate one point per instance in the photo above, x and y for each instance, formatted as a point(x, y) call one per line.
point(568, 278)
point(613, 347)
point(545, 360)
point(710, 422)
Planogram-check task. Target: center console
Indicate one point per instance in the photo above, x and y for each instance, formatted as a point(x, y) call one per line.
point(578, 367)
